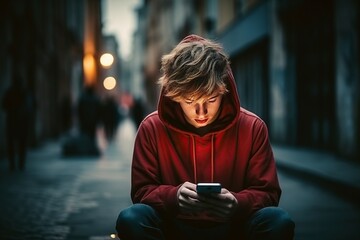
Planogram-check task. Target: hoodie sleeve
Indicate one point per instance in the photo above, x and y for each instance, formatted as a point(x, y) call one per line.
point(262, 187)
point(146, 180)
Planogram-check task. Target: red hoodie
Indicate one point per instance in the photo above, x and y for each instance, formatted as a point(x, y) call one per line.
point(235, 151)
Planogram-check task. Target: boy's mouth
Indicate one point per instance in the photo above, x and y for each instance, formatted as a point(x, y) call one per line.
point(201, 121)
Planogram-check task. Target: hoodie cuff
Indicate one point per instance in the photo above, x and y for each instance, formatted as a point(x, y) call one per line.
point(245, 207)
point(172, 201)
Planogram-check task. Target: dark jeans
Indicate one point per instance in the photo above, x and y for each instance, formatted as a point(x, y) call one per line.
point(141, 221)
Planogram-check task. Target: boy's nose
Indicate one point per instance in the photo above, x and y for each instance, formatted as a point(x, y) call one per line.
point(201, 109)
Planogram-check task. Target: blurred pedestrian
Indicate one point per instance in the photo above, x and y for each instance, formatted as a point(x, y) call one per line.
point(137, 111)
point(89, 112)
point(110, 115)
point(18, 105)
point(66, 114)
point(200, 134)
point(89, 116)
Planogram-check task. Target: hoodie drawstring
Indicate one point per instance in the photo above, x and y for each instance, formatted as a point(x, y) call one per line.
point(194, 159)
point(212, 158)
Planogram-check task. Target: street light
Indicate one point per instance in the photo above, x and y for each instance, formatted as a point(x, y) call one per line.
point(106, 60)
point(89, 64)
point(109, 83)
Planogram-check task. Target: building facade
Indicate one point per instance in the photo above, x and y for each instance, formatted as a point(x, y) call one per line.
point(296, 63)
point(45, 42)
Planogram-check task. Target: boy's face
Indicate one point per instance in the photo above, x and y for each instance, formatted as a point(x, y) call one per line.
point(203, 111)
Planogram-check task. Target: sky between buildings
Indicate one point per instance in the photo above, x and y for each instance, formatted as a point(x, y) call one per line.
point(120, 20)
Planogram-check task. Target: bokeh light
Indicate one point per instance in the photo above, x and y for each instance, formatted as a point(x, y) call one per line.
point(106, 60)
point(109, 83)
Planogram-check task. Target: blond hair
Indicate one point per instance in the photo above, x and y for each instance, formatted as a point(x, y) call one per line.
point(194, 70)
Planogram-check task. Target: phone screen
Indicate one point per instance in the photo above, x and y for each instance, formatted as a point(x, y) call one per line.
point(204, 188)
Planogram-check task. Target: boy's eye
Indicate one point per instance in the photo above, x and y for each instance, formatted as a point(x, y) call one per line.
point(188, 102)
point(212, 99)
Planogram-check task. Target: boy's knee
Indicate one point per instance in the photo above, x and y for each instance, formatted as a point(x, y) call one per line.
point(275, 221)
point(125, 217)
point(277, 216)
point(285, 219)
point(129, 216)
point(132, 216)
point(137, 221)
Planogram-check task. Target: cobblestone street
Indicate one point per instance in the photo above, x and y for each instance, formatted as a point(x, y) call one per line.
point(67, 198)
point(79, 198)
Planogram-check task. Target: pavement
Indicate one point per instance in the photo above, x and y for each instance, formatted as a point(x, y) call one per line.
point(336, 174)
point(67, 198)
point(79, 198)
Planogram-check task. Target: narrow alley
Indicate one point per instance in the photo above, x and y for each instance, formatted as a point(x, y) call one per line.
point(79, 198)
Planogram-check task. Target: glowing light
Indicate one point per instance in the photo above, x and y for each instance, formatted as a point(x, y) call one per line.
point(109, 83)
point(89, 69)
point(106, 60)
point(113, 235)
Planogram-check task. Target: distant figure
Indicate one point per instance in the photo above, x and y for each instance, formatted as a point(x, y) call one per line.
point(137, 111)
point(88, 112)
point(89, 117)
point(18, 105)
point(66, 114)
point(110, 117)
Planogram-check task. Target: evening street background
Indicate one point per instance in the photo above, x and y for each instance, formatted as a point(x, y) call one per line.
point(79, 198)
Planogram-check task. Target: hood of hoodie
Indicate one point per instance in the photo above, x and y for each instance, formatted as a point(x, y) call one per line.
point(171, 114)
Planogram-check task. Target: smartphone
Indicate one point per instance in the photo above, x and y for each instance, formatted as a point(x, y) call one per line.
point(206, 188)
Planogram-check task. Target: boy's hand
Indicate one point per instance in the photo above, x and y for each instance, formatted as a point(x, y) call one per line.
point(188, 197)
point(221, 205)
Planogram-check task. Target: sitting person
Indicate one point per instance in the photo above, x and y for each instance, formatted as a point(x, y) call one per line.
point(199, 133)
